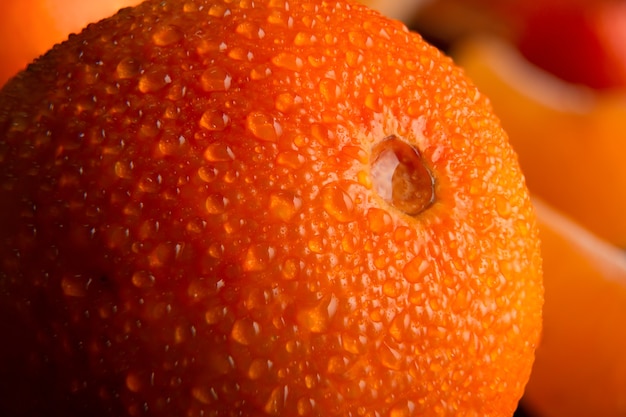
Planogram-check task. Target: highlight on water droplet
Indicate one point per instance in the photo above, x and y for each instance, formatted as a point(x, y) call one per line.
point(337, 202)
point(215, 79)
point(400, 176)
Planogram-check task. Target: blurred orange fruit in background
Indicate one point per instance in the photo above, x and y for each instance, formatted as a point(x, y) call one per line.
point(580, 369)
point(242, 208)
point(28, 28)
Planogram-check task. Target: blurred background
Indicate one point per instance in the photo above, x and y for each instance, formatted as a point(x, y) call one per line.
point(555, 72)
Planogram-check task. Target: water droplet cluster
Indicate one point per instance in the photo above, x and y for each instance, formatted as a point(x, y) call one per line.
point(207, 229)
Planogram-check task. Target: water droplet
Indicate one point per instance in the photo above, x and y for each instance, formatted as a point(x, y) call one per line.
point(354, 58)
point(218, 152)
point(127, 68)
point(75, 286)
point(391, 288)
point(290, 269)
point(263, 126)
point(260, 72)
point(214, 120)
point(218, 10)
point(337, 203)
point(304, 406)
point(304, 39)
point(207, 174)
point(257, 257)
point(143, 279)
point(330, 89)
point(373, 102)
point(290, 159)
point(390, 358)
point(503, 206)
point(240, 54)
point(400, 176)
point(204, 395)
point(416, 270)
point(153, 81)
point(323, 134)
point(123, 169)
point(245, 331)
point(288, 61)
point(284, 205)
point(316, 319)
point(133, 382)
point(215, 204)
point(215, 79)
point(167, 35)
point(316, 244)
point(404, 409)
point(170, 145)
point(285, 101)
point(378, 220)
point(248, 30)
point(257, 368)
point(214, 315)
point(183, 333)
point(161, 255)
point(360, 39)
point(397, 328)
point(356, 345)
point(190, 7)
point(276, 401)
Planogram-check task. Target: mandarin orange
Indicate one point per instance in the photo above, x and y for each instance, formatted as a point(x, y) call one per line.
point(216, 208)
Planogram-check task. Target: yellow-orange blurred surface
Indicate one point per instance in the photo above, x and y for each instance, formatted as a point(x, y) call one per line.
point(580, 367)
point(28, 28)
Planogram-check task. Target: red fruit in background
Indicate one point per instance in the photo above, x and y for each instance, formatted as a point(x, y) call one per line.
point(583, 44)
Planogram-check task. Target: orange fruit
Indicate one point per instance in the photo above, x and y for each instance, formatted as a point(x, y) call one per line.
point(217, 208)
point(28, 28)
point(569, 138)
point(580, 368)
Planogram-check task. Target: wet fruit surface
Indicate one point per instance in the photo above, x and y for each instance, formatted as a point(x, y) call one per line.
point(196, 220)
